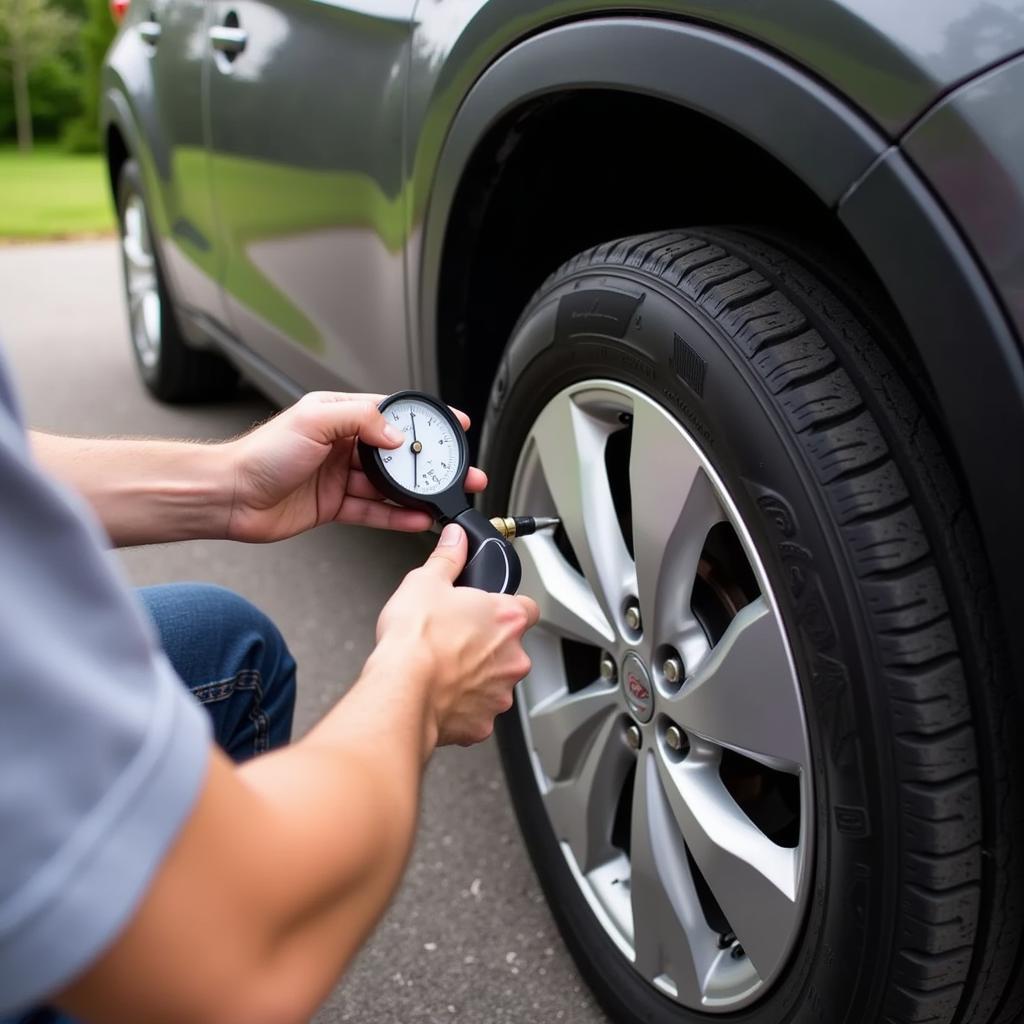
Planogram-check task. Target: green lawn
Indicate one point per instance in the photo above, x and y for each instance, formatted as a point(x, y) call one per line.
point(53, 194)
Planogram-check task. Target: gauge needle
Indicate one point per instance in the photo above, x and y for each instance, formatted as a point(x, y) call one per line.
point(415, 450)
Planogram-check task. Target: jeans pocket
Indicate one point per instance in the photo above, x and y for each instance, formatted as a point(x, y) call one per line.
point(231, 703)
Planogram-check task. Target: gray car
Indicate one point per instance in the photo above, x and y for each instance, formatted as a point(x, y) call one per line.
point(736, 290)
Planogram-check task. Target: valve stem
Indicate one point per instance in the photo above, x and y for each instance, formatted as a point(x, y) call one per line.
point(522, 526)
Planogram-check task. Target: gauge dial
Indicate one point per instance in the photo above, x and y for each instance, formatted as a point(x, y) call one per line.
point(428, 461)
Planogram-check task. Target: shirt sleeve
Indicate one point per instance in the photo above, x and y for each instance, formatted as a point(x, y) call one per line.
point(102, 750)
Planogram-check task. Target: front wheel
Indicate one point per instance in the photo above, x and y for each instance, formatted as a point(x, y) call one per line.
point(758, 756)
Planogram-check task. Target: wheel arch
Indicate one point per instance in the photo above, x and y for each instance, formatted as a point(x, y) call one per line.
point(118, 126)
point(542, 186)
point(721, 83)
point(822, 154)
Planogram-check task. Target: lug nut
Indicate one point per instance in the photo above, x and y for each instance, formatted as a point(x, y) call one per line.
point(633, 617)
point(738, 952)
point(633, 737)
point(607, 667)
point(674, 738)
point(672, 670)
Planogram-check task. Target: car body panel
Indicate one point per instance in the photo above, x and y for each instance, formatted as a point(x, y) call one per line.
point(311, 220)
point(347, 62)
point(970, 149)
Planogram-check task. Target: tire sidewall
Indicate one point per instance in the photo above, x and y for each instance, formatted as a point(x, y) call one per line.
point(557, 344)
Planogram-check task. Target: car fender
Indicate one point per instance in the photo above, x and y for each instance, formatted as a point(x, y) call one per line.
point(767, 100)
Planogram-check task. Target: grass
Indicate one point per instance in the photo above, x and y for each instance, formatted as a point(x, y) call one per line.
point(52, 194)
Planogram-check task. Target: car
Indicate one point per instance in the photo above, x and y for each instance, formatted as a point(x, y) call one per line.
point(736, 291)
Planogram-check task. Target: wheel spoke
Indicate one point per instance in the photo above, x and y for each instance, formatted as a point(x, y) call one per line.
point(674, 507)
point(744, 696)
point(139, 261)
point(571, 445)
point(567, 604)
point(582, 809)
point(132, 222)
point(670, 934)
point(135, 241)
point(151, 318)
point(564, 723)
point(141, 283)
point(136, 313)
point(753, 879)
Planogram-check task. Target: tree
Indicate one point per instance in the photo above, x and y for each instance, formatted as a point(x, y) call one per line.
point(55, 85)
point(30, 32)
point(94, 40)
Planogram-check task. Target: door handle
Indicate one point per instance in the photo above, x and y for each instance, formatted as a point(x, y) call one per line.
point(229, 40)
point(150, 31)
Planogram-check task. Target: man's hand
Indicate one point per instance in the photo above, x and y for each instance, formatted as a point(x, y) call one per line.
point(301, 469)
point(469, 643)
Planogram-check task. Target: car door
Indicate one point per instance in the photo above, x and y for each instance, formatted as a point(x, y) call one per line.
point(305, 119)
point(171, 37)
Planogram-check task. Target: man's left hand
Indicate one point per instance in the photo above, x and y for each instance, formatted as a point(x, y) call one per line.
point(301, 469)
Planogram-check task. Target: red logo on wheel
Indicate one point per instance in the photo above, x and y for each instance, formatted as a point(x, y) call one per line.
point(636, 688)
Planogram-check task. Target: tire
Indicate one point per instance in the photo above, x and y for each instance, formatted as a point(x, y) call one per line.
point(171, 370)
point(908, 902)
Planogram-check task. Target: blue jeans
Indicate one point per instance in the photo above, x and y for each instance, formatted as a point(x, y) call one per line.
point(232, 658)
point(235, 662)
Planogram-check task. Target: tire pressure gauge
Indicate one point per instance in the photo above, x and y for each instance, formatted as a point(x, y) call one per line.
point(428, 472)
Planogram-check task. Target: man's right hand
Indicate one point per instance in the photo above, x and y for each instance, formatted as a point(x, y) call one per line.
point(469, 642)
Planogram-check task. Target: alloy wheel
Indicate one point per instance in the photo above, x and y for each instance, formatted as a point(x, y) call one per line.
point(663, 712)
point(141, 282)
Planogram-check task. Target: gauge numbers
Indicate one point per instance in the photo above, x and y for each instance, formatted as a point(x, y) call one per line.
point(428, 460)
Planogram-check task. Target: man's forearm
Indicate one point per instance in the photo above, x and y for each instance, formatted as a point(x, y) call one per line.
point(285, 866)
point(144, 492)
point(346, 800)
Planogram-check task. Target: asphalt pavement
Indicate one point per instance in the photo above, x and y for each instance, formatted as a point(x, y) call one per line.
point(469, 937)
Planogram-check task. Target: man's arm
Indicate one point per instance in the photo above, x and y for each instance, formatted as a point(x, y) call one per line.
point(276, 879)
point(286, 863)
point(144, 492)
point(297, 471)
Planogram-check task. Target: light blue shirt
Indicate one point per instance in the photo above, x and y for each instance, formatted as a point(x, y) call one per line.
point(102, 750)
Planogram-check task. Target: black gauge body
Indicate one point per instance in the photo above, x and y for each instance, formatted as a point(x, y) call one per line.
point(428, 472)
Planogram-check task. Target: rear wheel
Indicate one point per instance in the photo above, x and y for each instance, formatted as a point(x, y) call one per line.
point(760, 753)
point(171, 369)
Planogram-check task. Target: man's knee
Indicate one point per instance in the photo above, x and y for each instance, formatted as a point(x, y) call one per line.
point(211, 633)
point(231, 618)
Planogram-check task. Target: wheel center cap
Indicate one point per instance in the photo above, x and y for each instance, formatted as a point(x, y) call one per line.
point(636, 686)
